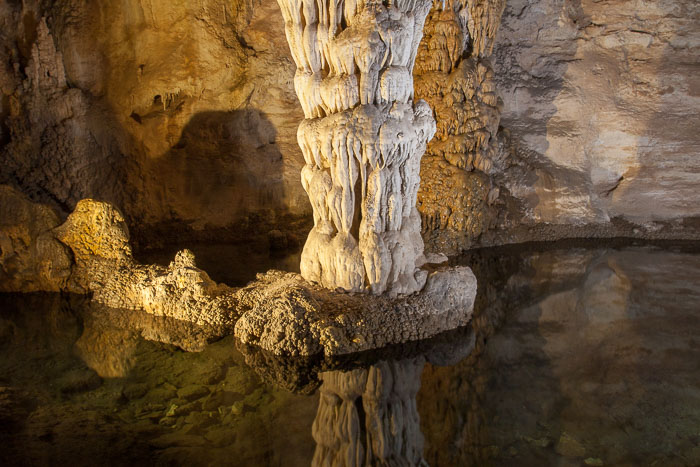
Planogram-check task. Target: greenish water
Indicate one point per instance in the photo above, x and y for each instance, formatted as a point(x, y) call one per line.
point(575, 356)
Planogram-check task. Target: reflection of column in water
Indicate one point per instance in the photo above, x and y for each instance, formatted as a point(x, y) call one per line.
point(369, 416)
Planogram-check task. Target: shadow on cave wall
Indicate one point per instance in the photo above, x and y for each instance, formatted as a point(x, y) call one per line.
point(530, 73)
point(224, 173)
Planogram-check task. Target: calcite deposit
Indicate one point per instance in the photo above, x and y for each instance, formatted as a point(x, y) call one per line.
point(279, 312)
point(104, 266)
point(362, 140)
point(184, 115)
point(285, 315)
point(454, 75)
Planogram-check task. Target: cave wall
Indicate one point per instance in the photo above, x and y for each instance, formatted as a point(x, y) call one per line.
point(174, 111)
point(600, 101)
point(558, 113)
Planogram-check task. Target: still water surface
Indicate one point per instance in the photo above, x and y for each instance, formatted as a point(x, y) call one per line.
point(575, 356)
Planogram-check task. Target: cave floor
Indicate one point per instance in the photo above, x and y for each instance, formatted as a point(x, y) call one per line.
point(576, 355)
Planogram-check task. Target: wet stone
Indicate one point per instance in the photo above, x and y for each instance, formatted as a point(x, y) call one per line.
point(593, 461)
point(185, 409)
point(570, 447)
point(176, 439)
point(221, 436)
point(201, 419)
point(160, 394)
point(221, 399)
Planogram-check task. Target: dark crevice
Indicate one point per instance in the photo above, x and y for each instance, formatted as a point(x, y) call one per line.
point(361, 416)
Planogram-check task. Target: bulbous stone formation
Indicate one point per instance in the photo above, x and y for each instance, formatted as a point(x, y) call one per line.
point(362, 140)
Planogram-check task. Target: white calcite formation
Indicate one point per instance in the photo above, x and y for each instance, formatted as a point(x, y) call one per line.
point(362, 140)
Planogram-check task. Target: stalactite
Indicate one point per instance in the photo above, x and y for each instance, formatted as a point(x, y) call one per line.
point(362, 140)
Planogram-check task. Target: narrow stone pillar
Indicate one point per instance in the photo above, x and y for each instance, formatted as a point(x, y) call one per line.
point(362, 140)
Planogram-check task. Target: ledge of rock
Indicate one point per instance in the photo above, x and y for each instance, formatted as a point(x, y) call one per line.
point(285, 315)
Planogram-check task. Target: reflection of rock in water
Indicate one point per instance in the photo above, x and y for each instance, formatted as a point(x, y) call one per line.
point(110, 337)
point(369, 416)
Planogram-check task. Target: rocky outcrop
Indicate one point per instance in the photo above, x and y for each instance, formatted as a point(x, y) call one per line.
point(280, 312)
point(104, 266)
point(362, 140)
point(285, 315)
point(31, 259)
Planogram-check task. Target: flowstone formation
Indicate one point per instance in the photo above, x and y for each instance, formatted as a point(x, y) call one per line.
point(454, 75)
point(362, 140)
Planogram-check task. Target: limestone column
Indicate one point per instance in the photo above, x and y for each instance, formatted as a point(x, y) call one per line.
point(362, 139)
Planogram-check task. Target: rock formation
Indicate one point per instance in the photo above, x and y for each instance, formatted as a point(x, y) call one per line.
point(184, 115)
point(362, 140)
point(600, 111)
point(104, 266)
point(284, 314)
point(181, 114)
point(31, 259)
point(454, 75)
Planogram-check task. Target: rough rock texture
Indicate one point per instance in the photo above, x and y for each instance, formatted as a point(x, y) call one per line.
point(175, 112)
point(369, 416)
point(286, 315)
point(601, 111)
point(454, 75)
point(104, 266)
point(283, 313)
point(362, 140)
point(183, 113)
point(31, 259)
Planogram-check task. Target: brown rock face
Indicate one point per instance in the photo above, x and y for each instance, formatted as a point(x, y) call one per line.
point(31, 259)
point(174, 112)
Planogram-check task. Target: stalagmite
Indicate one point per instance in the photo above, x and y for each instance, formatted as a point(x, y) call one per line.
point(362, 140)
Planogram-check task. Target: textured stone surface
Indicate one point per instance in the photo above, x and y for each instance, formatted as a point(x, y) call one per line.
point(285, 315)
point(172, 111)
point(601, 105)
point(454, 75)
point(362, 140)
point(186, 113)
point(31, 259)
point(105, 267)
